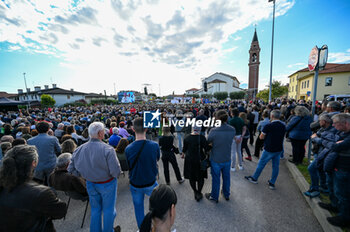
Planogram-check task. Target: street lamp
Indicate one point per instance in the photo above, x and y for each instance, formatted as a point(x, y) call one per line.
point(273, 29)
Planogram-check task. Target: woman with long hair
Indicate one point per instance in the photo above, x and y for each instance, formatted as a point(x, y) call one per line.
point(68, 146)
point(166, 143)
point(246, 136)
point(25, 205)
point(120, 150)
point(161, 215)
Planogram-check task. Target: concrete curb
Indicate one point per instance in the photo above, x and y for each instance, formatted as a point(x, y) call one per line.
point(319, 213)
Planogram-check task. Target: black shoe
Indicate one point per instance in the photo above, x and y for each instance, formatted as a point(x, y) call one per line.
point(226, 198)
point(292, 161)
point(210, 198)
point(181, 181)
point(328, 207)
point(199, 196)
point(251, 179)
point(117, 229)
point(338, 221)
point(168, 183)
point(271, 186)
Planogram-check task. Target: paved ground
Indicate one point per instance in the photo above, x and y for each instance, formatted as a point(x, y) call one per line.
point(251, 207)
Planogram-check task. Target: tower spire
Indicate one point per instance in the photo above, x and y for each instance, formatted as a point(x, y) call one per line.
point(255, 38)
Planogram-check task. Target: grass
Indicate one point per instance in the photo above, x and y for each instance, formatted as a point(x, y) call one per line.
point(324, 198)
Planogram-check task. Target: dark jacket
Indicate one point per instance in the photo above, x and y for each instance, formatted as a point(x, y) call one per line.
point(339, 156)
point(326, 138)
point(29, 205)
point(300, 131)
point(64, 181)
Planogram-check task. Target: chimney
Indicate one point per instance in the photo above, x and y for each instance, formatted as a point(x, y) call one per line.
point(46, 86)
point(28, 90)
point(20, 91)
point(54, 86)
point(72, 90)
point(37, 88)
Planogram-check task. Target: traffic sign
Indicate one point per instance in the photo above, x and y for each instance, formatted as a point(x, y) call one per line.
point(313, 59)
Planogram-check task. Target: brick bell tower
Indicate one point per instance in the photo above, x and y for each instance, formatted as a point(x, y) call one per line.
point(254, 62)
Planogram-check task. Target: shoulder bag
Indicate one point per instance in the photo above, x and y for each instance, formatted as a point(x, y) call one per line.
point(137, 156)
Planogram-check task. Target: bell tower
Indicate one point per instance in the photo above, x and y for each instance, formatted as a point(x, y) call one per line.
point(254, 62)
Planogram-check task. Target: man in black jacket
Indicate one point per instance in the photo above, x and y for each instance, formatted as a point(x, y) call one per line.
point(342, 171)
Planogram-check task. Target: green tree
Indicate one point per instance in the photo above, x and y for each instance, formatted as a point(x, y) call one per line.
point(277, 90)
point(220, 95)
point(193, 95)
point(207, 96)
point(237, 95)
point(47, 100)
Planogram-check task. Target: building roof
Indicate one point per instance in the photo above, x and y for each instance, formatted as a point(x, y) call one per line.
point(255, 37)
point(193, 89)
point(224, 74)
point(5, 94)
point(330, 68)
point(92, 95)
point(55, 90)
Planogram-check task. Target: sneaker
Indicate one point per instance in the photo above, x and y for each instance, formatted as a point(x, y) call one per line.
point(182, 180)
point(117, 229)
point(338, 221)
point(312, 193)
point(328, 207)
point(226, 198)
point(210, 198)
point(248, 158)
point(233, 169)
point(240, 167)
point(271, 186)
point(251, 179)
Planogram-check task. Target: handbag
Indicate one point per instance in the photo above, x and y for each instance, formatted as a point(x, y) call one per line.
point(205, 163)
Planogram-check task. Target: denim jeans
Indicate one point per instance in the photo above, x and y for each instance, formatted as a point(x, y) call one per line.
point(138, 195)
point(180, 139)
point(317, 178)
point(330, 186)
point(236, 149)
point(102, 199)
point(265, 158)
point(342, 192)
point(224, 169)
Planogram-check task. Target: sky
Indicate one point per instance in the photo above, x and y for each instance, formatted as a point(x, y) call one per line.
point(96, 45)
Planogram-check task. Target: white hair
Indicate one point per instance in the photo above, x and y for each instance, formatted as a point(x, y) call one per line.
point(94, 128)
point(115, 130)
point(60, 125)
point(63, 159)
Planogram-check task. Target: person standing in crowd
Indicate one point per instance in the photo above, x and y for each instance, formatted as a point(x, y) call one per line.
point(48, 147)
point(25, 205)
point(161, 215)
point(256, 121)
point(194, 149)
point(299, 132)
point(166, 143)
point(142, 156)
point(122, 131)
point(326, 135)
point(220, 139)
point(96, 162)
point(342, 170)
point(178, 129)
point(59, 132)
point(236, 151)
point(246, 136)
point(273, 136)
point(259, 143)
point(202, 117)
point(115, 138)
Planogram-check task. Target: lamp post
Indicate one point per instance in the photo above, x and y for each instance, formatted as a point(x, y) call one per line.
point(273, 30)
point(25, 83)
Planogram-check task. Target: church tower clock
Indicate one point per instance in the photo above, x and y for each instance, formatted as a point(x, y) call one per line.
point(254, 62)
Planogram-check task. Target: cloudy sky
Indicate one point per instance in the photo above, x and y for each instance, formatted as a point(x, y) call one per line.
point(93, 45)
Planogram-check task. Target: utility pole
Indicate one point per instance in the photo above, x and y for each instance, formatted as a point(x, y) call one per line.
point(25, 83)
point(273, 30)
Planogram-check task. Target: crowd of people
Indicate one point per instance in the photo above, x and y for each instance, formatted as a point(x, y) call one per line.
point(84, 150)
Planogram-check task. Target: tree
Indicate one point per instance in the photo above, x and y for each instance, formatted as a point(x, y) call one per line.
point(207, 96)
point(193, 95)
point(220, 95)
point(237, 95)
point(277, 90)
point(47, 100)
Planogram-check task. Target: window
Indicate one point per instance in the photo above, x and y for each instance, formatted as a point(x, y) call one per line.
point(292, 88)
point(308, 83)
point(329, 81)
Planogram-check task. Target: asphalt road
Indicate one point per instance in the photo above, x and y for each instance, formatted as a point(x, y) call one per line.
point(252, 207)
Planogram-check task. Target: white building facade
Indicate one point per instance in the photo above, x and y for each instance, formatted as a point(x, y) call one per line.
point(220, 82)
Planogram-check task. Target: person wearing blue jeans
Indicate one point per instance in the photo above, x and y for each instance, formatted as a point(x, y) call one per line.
point(318, 179)
point(273, 136)
point(216, 170)
point(102, 199)
point(138, 196)
point(220, 139)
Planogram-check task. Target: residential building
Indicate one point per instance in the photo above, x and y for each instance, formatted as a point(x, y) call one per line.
point(220, 82)
point(191, 91)
point(333, 79)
